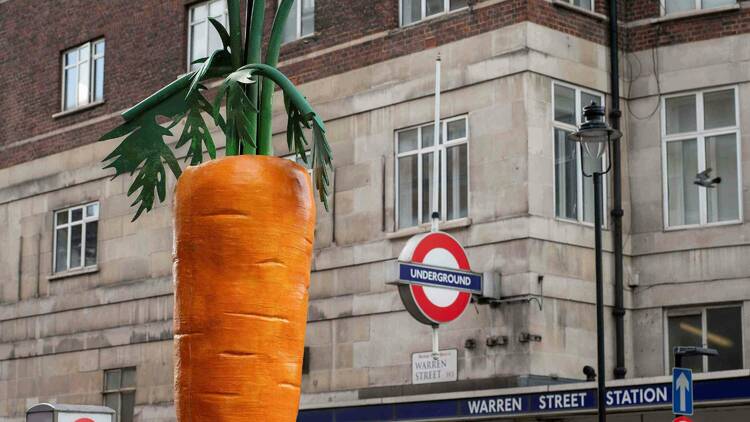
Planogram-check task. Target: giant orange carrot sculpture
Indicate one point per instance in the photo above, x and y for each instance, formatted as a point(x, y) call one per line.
point(243, 225)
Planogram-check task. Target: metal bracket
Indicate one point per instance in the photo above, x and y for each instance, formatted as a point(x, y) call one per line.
point(527, 337)
point(493, 341)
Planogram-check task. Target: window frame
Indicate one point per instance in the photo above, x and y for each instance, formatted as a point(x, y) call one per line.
point(700, 134)
point(298, 23)
point(579, 162)
point(446, 10)
point(119, 390)
point(593, 5)
point(82, 222)
point(190, 25)
point(698, 7)
point(420, 151)
point(92, 74)
point(703, 312)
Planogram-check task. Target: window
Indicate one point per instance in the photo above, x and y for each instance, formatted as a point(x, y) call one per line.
point(415, 149)
point(203, 39)
point(700, 131)
point(75, 237)
point(83, 75)
point(416, 10)
point(676, 6)
point(301, 20)
point(574, 193)
point(719, 328)
point(119, 392)
point(583, 4)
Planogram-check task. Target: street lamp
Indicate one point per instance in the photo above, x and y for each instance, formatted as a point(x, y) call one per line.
point(594, 136)
point(681, 351)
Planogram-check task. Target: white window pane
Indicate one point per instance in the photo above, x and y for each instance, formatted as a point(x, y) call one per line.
point(99, 79)
point(92, 210)
point(718, 109)
point(62, 217)
point(456, 129)
point(428, 135)
point(407, 191)
point(565, 104)
point(76, 214)
point(408, 140)
point(84, 52)
point(308, 17)
point(724, 333)
point(99, 48)
point(586, 4)
point(590, 165)
point(427, 180)
point(457, 4)
point(91, 235)
point(290, 28)
point(456, 182)
point(675, 6)
point(411, 11)
point(127, 407)
point(76, 243)
point(61, 249)
point(566, 176)
point(433, 7)
point(112, 380)
point(214, 40)
point(707, 4)
point(721, 158)
point(71, 87)
point(71, 57)
point(682, 166)
point(84, 74)
point(112, 401)
point(199, 41)
point(128, 378)
point(199, 13)
point(680, 114)
point(685, 330)
point(587, 99)
point(216, 9)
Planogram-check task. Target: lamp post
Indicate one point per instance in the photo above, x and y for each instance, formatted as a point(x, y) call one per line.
point(594, 136)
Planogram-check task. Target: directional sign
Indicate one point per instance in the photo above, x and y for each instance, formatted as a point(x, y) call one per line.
point(435, 279)
point(682, 391)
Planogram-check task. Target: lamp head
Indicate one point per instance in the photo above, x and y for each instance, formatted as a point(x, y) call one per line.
point(594, 133)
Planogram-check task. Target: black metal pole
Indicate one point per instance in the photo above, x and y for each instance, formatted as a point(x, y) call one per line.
point(619, 309)
point(600, 374)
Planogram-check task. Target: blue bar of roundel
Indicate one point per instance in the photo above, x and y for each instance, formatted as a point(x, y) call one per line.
point(321, 415)
point(425, 410)
point(405, 274)
point(365, 413)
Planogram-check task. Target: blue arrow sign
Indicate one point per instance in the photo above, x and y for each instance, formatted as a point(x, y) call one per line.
point(682, 391)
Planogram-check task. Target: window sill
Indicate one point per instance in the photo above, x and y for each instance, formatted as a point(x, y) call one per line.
point(703, 226)
point(424, 228)
point(581, 223)
point(78, 109)
point(581, 10)
point(305, 39)
point(73, 273)
point(692, 13)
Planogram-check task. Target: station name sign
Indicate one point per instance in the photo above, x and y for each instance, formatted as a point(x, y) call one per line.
point(622, 398)
point(427, 275)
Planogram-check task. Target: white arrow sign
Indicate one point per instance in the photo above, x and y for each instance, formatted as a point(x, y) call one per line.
point(684, 386)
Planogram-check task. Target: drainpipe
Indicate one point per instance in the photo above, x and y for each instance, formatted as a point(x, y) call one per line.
point(617, 212)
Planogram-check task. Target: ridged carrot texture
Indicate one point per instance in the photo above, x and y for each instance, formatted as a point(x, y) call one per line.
point(243, 243)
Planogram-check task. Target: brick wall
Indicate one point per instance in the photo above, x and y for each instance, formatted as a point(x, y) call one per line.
point(137, 62)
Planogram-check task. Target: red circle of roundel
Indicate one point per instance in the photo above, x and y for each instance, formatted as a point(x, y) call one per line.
point(440, 314)
point(682, 419)
point(84, 420)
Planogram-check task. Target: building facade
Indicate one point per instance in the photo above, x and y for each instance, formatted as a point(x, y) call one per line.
point(86, 294)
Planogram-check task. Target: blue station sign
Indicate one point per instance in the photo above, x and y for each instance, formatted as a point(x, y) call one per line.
point(620, 398)
point(426, 275)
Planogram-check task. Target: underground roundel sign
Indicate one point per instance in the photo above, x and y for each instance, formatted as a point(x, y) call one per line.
point(435, 281)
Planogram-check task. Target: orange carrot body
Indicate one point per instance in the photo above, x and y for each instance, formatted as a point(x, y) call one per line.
point(243, 243)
